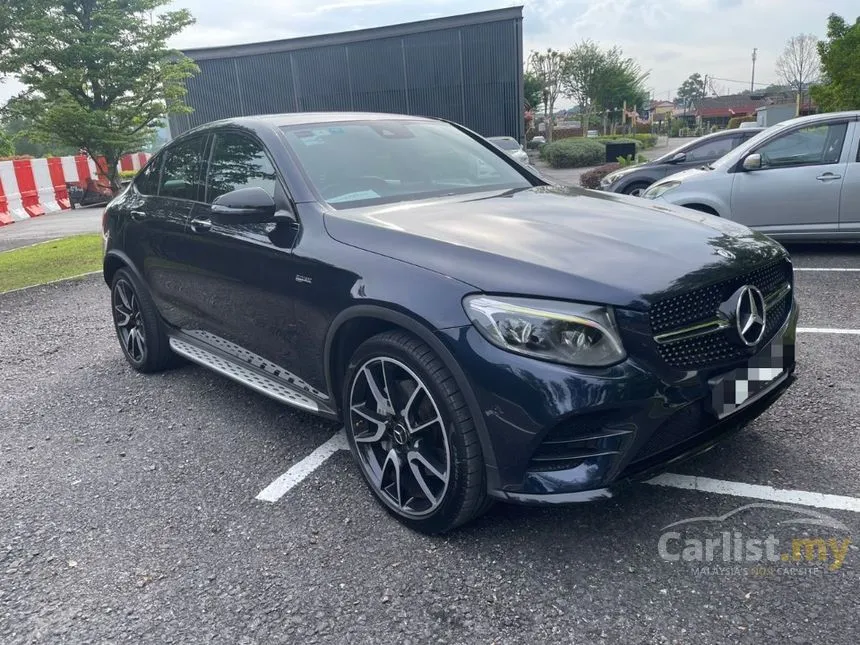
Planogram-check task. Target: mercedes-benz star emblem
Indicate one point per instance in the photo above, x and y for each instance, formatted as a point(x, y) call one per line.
point(726, 254)
point(750, 315)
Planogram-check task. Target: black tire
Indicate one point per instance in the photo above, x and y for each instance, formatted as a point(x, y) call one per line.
point(136, 319)
point(636, 188)
point(410, 365)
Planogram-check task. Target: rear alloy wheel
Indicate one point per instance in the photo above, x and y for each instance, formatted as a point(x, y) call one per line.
point(412, 435)
point(138, 326)
point(636, 189)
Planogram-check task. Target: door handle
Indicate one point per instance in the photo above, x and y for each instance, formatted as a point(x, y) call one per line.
point(828, 176)
point(137, 215)
point(200, 225)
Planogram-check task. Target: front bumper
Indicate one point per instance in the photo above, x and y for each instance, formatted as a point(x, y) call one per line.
point(559, 435)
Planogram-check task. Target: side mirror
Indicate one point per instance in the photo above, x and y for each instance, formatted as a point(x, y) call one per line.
point(752, 162)
point(244, 206)
point(680, 157)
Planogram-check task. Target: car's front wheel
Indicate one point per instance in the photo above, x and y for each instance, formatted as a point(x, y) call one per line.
point(636, 189)
point(412, 434)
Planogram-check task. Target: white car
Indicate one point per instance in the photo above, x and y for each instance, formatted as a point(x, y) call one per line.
point(511, 147)
point(799, 179)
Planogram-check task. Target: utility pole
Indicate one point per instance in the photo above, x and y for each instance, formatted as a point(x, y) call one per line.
point(752, 80)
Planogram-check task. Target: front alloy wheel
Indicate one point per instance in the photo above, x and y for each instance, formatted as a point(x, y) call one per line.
point(412, 434)
point(400, 437)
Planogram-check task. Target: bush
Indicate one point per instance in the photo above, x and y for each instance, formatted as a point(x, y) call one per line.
point(735, 121)
point(630, 161)
point(534, 145)
point(621, 139)
point(574, 153)
point(648, 140)
point(127, 174)
point(591, 178)
point(565, 133)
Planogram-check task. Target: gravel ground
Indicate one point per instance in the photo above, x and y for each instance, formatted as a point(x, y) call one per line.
point(128, 512)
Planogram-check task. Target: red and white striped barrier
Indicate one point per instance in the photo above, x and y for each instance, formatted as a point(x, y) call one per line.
point(33, 187)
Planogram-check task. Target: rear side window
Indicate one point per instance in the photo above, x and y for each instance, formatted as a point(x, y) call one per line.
point(147, 181)
point(181, 170)
point(238, 161)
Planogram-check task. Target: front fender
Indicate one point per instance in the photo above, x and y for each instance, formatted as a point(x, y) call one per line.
point(428, 336)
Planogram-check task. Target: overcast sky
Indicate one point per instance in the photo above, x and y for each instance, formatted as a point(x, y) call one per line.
point(671, 38)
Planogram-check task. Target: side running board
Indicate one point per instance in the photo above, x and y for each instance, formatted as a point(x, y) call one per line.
point(248, 375)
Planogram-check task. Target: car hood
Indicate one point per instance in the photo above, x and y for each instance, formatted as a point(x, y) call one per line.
point(559, 242)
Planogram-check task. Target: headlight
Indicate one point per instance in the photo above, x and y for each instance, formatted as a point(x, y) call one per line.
point(564, 332)
point(655, 191)
point(610, 179)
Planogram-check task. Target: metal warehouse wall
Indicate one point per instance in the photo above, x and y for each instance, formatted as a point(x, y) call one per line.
point(468, 69)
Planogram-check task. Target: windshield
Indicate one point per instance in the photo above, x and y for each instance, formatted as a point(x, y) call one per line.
point(359, 163)
point(506, 143)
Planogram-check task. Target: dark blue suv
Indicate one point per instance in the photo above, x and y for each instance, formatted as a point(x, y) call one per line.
point(481, 334)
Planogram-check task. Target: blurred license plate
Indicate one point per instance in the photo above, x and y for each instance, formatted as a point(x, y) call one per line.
point(733, 390)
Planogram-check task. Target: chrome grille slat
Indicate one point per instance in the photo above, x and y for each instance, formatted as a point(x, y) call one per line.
point(702, 339)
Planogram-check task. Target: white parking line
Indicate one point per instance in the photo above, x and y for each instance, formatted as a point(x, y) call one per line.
point(826, 330)
point(755, 491)
point(299, 471)
point(837, 269)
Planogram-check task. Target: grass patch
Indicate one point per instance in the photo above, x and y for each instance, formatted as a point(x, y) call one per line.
point(50, 261)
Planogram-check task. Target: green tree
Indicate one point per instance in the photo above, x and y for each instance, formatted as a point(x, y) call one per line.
point(620, 83)
point(840, 64)
point(602, 81)
point(6, 147)
point(18, 128)
point(692, 90)
point(532, 91)
point(99, 74)
point(581, 77)
point(547, 68)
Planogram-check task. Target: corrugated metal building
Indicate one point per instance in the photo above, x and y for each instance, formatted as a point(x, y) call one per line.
point(467, 68)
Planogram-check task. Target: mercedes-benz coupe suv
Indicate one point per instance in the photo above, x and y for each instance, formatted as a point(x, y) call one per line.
point(481, 335)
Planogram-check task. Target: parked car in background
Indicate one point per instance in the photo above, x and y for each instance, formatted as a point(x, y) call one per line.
point(633, 180)
point(749, 124)
point(538, 139)
point(799, 179)
point(480, 334)
point(511, 147)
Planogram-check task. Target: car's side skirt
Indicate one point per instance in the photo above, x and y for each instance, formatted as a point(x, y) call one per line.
point(247, 374)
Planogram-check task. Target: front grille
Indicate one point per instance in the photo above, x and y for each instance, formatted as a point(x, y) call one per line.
point(700, 305)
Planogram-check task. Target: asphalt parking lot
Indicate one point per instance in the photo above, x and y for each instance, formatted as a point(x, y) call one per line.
point(130, 514)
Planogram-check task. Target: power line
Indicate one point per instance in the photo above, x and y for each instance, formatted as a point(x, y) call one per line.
point(732, 80)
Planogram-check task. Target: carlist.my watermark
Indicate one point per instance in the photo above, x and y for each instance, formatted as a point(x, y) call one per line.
point(801, 542)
